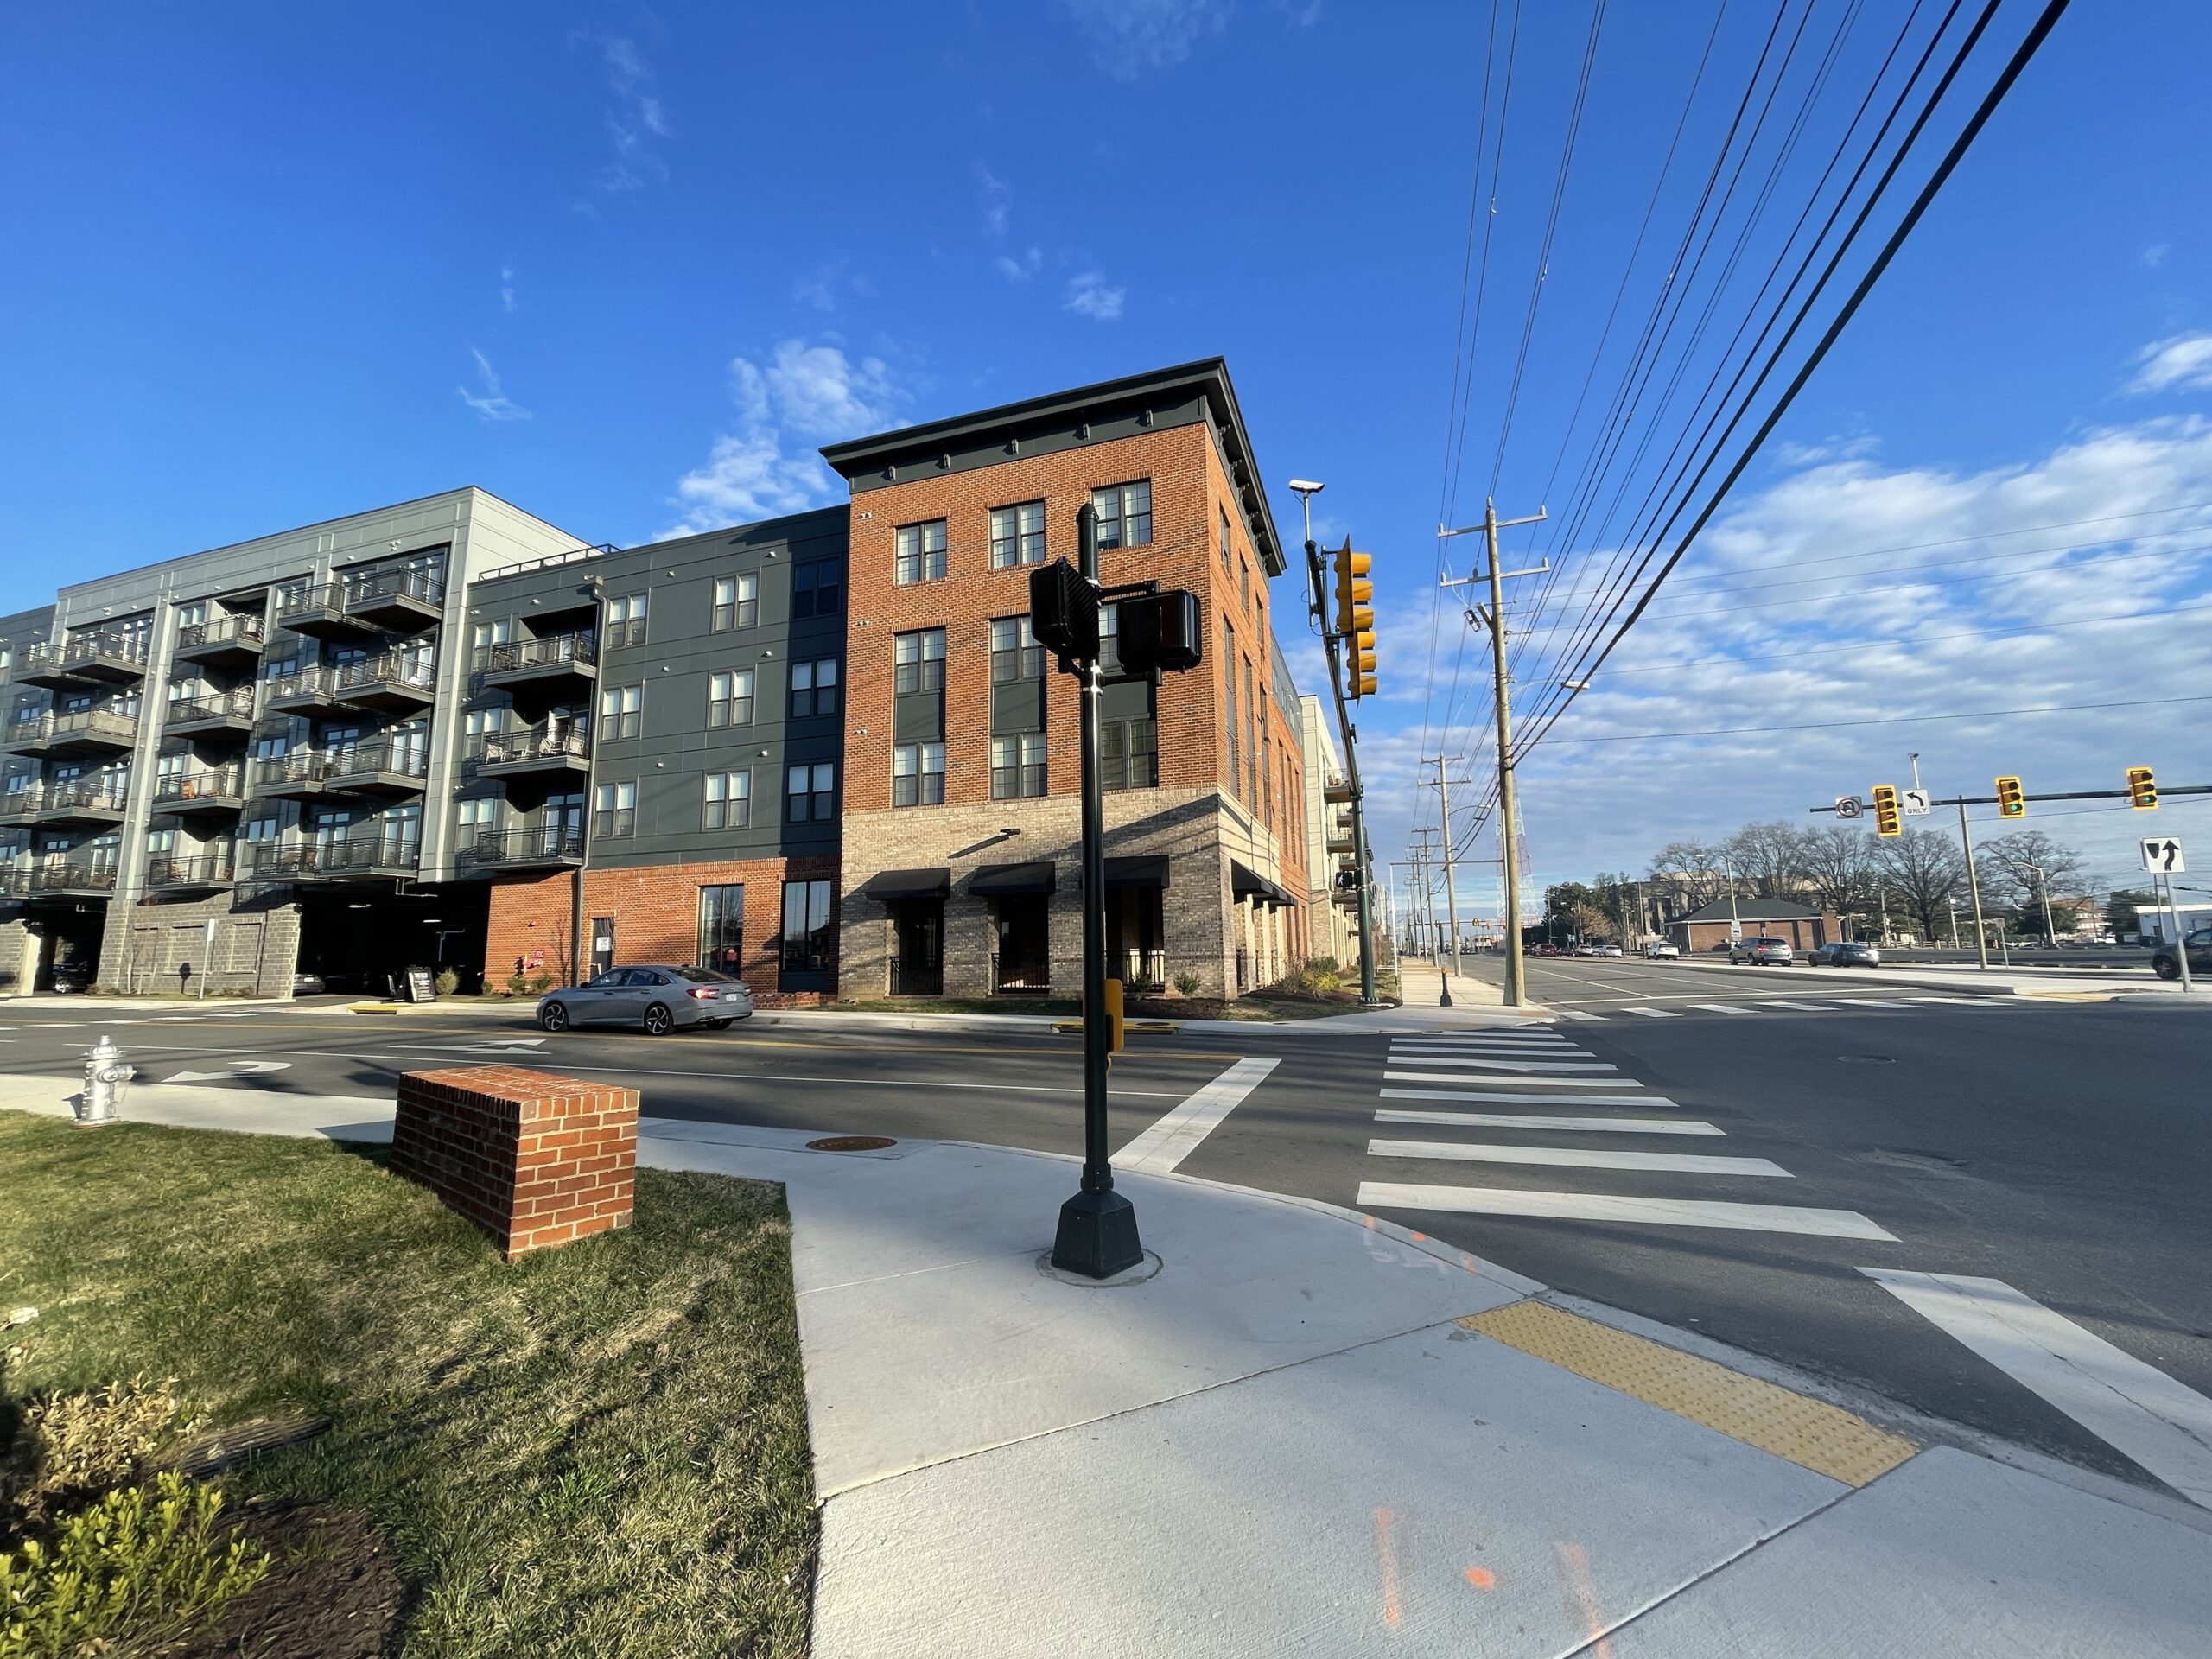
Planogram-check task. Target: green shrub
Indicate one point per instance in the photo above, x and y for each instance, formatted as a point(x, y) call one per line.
point(144, 1562)
point(449, 982)
point(540, 983)
point(1328, 965)
point(517, 984)
point(77, 1443)
point(1187, 984)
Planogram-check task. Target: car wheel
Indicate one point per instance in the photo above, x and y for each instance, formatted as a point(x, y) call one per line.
point(658, 1020)
point(2165, 968)
point(553, 1017)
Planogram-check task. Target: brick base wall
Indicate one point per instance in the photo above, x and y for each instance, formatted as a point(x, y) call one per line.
point(533, 1158)
point(656, 912)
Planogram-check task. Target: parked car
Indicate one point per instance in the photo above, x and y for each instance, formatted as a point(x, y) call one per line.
point(2165, 960)
point(1585, 949)
point(1610, 950)
point(1845, 953)
point(1662, 951)
point(1761, 952)
point(657, 1000)
point(307, 985)
point(74, 976)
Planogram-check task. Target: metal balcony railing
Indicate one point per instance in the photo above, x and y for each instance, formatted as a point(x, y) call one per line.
point(316, 683)
point(424, 585)
point(554, 650)
point(525, 844)
point(1143, 970)
point(916, 979)
point(412, 671)
point(83, 649)
point(71, 877)
point(221, 782)
point(237, 703)
point(1020, 974)
point(188, 870)
point(398, 760)
point(102, 725)
point(221, 630)
point(272, 861)
point(83, 794)
point(532, 743)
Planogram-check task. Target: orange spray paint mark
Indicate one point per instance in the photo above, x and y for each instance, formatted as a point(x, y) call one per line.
point(1575, 1562)
point(1482, 1577)
point(1386, 1548)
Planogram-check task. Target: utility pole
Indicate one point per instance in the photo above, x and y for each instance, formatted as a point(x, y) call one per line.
point(1423, 854)
point(1515, 969)
point(1973, 885)
point(1442, 763)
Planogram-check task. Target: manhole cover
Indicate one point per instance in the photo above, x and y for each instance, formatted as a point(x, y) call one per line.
point(851, 1143)
point(1865, 1059)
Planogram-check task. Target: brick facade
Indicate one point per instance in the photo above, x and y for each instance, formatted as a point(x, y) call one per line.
point(535, 1160)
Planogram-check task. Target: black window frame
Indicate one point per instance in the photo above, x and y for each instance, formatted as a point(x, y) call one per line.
point(742, 608)
point(927, 673)
point(926, 564)
point(1016, 541)
point(1024, 779)
point(814, 699)
point(923, 784)
point(735, 710)
point(1112, 524)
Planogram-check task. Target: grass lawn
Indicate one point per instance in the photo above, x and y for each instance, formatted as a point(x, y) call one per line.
point(601, 1450)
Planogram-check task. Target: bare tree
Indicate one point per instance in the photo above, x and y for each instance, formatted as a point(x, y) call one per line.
point(1769, 856)
point(2028, 866)
point(1929, 870)
point(1689, 871)
point(1840, 867)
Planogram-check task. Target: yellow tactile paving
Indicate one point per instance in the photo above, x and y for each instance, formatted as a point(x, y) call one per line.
point(1810, 1433)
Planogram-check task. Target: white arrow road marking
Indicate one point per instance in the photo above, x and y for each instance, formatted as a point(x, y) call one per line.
point(2135, 1409)
point(1177, 1134)
point(1667, 1163)
point(243, 1069)
point(1597, 1207)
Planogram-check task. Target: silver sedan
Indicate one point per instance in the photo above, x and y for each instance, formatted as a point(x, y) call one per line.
point(654, 999)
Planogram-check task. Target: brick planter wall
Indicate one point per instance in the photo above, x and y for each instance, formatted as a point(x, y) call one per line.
point(533, 1158)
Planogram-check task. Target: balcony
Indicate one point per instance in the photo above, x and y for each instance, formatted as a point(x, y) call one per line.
point(220, 712)
point(1336, 790)
point(97, 657)
point(318, 610)
point(548, 847)
point(558, 660)
point(311, 692)
point(88, 731)
point(187, 873)
point(333, 861)
point(221, 789)
point(376, 768)
point(230, 642)
point(296, 776)
point(398, 682)
point(1338, 836)
point(540, 750)
point(92, 803)
point(67, 878)
point(404, 601)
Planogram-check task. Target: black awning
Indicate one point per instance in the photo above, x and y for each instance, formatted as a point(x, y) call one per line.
point(1147, 870)
point(889, 885)
point(1010, 879)
point(1247, 883)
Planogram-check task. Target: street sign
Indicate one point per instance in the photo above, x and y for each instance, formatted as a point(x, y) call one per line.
point(2162, 855)
point(1848, 806)
point(1916, 802)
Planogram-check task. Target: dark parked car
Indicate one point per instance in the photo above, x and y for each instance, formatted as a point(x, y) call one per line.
point(655, 1000)
point(73, 975)
point(1845, 953)
point(2165, 960)
point(307, 985)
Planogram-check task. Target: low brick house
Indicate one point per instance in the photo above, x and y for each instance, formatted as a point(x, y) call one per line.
point(1710, 927)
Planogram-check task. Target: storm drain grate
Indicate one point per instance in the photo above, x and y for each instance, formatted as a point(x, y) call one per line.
point(851, 1143)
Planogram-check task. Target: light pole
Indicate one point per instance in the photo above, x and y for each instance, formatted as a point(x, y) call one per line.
point(2042, 886)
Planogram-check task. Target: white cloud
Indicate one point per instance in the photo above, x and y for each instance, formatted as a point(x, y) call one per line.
point(2182, 364)
point(493, 404)
point(828, 283)
point(1020, 270)
point(1130, 37)
point(995, 201)
point(634, 122)
point(2155, 255)
point(806, 391)
point(1092, 295)
point(507, 288)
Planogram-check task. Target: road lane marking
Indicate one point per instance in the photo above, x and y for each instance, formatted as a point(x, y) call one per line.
point(1870, 1002)
point(1565, 1100)
point(387, 1058)
point(1789, 1008)
point(1176, 1135)
point(1959, 1002)
point(1657, 1163)
point(1577, 1014)
point(2135, 1409)
point(1654, 1014)
point(1599, 1206)
point(1500, 1083)
point(1429, 1050)
point(1505, 1065)
point(1513, 1121)
point(1721, 1007)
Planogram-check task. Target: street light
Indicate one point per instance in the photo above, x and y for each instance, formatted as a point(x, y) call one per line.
point(2042, 886)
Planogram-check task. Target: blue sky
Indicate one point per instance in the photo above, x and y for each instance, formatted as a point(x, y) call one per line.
point(628, 266)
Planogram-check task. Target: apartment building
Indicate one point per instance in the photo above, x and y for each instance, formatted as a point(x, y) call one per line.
point(218, 769)
point(1329, 844)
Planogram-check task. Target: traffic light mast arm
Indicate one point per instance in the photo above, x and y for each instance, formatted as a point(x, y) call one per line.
point(2055, 795)
point(1329, 640)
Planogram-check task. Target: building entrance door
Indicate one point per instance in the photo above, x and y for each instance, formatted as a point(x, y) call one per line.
point(917, 947)
point(1022, 965)
point(602, 943)
point(1136, 938)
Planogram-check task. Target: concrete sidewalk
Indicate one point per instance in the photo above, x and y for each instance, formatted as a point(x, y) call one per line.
point(1297, 1429)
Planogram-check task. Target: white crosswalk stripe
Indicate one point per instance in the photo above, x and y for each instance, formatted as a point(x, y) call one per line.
point(1654, 1014)
point(1485, 1064)
point(1665, 1163)
point(1516, 1121)
point(1525, 1100)
point(1517, 1083)
point(1958, 1002)
point(1721, 1007)
point(1578, 1013)
point(1598, 1206)
point(1875, 1002)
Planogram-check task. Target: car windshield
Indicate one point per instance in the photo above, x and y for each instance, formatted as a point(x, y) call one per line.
point(702, 976)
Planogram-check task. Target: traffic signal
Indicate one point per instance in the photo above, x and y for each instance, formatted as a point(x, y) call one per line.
point(1064, 611)
point(2142, 790)
point(2011, 804)
point(1888, 821)
point(1359, 669)
point(1160, 633)
point(1353, 590)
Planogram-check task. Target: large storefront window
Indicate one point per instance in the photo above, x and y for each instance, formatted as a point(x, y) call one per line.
point(721, 928)
point(806, 942)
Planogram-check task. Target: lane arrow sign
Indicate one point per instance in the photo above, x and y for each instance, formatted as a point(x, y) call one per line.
point(2162, 855)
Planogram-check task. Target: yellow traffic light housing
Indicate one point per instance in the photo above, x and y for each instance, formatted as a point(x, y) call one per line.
point(2010, 802)
point(1888, 821)
point(2142, 790)
point(1354, 591)
point(1359, 664)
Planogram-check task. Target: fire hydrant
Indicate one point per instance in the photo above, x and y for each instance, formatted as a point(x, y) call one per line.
point(104, 1073)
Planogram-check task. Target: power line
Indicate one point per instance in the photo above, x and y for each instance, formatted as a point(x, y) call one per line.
point(1887, 720)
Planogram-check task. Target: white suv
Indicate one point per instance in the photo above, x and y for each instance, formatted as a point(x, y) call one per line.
point(1662, 951)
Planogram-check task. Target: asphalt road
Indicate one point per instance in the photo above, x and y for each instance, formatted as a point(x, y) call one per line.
point(2059, 1147)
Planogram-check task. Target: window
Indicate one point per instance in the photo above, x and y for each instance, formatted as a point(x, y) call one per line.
point(619, 710)
point(812, 792)
point(806, 926)
point(1244, 584)
point(1235, 770)
point(478, 820)
point(920, 553)
point(814, 687)
point(737, 600)
point(1015, 654)
point(816, 590)
point(482, 638)
point(917, 774)
point(1124, 514)
point(729, 800)
point(918, 662)
point(1017, 766)
point(615, 810)
point(1109, 639)
point(1018, 534)
point(721, 928)
point(729, 698)
point(1129, 754)
point(626, 621)
point(1223, 512)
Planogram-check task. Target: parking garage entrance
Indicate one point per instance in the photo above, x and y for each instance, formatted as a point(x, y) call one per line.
point(361, 942)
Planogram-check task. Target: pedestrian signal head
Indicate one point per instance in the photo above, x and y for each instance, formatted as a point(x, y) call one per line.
point(2142, 790)
point(2010, 802)
point(1888, 821)
point(1354, 590)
